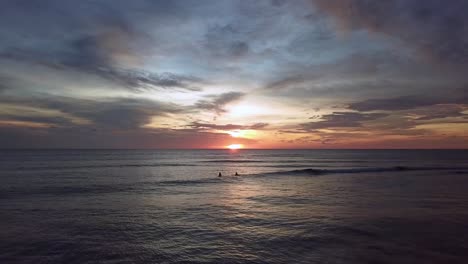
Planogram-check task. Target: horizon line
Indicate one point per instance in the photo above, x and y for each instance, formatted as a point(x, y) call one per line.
point(3, 149)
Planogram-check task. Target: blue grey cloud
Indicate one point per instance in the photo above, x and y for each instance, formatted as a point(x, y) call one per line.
point(435, 28)
point(216, 103)
point(341, 120)
point(111, 113)
point(201, 125)
point(408, 102)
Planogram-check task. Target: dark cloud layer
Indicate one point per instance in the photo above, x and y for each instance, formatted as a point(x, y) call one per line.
point(341, 119)
point(435, 28)
point(226, 41)
point(103, 38)
point(441, 111)
point(141, 80)
point(133, 79)
point(406, 102)
point(200, 125)
point(115, 113)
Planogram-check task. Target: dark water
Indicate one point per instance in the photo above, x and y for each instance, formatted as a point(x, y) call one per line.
point(287, 206)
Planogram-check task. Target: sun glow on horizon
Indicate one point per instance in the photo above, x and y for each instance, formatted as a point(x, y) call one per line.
point(235, 146)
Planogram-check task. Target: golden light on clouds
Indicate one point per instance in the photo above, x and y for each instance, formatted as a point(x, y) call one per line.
point(246, 109)
point(242, 133)
point(28, 124)
point(235, 133)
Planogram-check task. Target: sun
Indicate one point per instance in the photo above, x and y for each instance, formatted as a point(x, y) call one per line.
point(235, 146)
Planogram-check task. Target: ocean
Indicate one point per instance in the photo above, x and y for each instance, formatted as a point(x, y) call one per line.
point(286, 206)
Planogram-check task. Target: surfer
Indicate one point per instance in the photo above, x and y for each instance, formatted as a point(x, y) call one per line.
point(220, 175)
point(237, 174)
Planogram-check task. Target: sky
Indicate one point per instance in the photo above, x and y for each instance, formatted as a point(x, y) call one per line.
point(211, 73)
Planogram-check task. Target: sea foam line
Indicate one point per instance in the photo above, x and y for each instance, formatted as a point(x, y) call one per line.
point(311, 171)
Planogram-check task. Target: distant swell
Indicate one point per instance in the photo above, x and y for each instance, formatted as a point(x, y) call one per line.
point(363, 170)
point(99, 166)
point(94, 189)
point(234, 161)
point(282, 161)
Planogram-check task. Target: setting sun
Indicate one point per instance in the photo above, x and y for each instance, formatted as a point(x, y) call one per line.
point(235, 146)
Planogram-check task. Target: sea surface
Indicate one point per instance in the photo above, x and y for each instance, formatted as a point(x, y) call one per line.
point(286, 206)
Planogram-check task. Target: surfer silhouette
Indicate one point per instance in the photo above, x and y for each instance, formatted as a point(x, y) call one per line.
point(237, 174)
point(219, 175)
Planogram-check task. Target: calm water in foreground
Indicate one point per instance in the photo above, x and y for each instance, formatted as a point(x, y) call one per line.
point(287, 206)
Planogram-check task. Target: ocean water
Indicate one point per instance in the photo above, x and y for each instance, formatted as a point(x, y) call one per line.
point(287, 206)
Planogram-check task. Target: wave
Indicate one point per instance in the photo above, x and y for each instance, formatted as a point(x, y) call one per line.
point(311, 171)
point(92, 189)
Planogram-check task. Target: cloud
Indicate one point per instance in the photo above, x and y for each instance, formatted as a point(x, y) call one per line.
point(124, 113)
point(133, 79)
point(287, 82)
point(87, 34)
point(441, 111)
point(390, 104)
point(436, 29)
point(9, 121)
point(354, 67)
point(5, 83)
point(139, 80)
point(406, 102)
point(112, 113)
point(341, 119)
point(361, 75)
point(239, 48)
point(200, 125)
point(217, 103)
point(322, 138)
point(226, 41)
point(106, 38)
point(396, 116)
point(404, 118)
